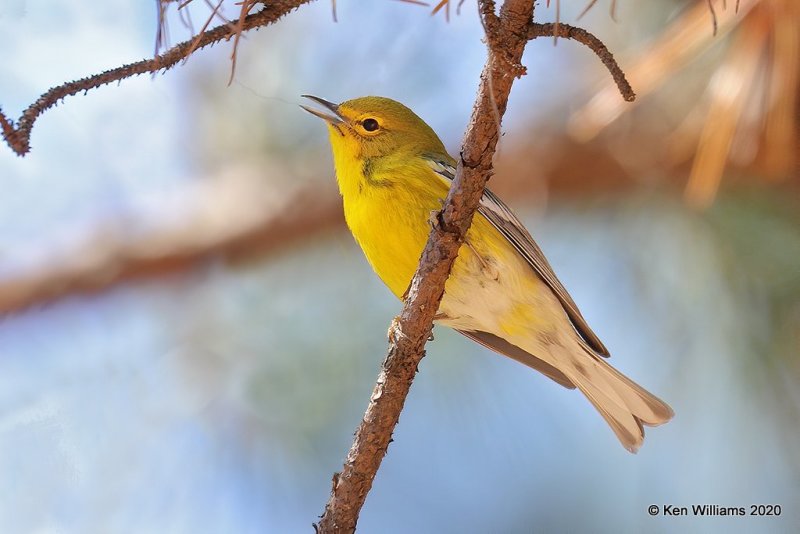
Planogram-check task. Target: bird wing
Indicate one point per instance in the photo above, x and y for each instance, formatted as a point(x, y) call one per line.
point(502, 218)
point(505, 348)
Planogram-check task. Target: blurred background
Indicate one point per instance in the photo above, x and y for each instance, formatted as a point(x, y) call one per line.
point(189, 335)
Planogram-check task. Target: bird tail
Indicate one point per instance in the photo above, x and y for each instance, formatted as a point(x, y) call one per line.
point(625, 405)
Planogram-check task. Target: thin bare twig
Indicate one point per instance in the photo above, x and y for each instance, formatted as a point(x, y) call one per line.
point(199, 36)
point(18, 136)
point(413, 327)
point(612, 11)
point(443, 4)
point(586, 9)
point(246, 6)
point(710, 4)
point(584, 37)
point(161, 28)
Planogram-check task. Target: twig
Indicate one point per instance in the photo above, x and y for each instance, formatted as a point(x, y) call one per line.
point(584, 37)
point(612, 10)
point(246, 6)
point(413, 327)
point(443, 4)
point(199, 36)
point(18, 136)
point(161, 28)
point(713, 12)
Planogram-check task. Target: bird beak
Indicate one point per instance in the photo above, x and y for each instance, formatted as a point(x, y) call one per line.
point(334, 119)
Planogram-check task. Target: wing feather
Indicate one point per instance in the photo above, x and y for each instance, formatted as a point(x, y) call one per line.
point(504, 220)
point(500, 345)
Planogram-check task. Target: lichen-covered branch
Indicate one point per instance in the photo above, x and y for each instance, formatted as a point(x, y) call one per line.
point(413, 327)
point(18, 135)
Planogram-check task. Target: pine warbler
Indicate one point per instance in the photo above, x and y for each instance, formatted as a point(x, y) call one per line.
point(393, 171)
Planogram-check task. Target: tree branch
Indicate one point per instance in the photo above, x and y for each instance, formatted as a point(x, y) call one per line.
point(587, 38)
point(413, 327)
point(18, 136)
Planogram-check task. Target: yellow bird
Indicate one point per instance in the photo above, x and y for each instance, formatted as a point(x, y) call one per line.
point(393, 171)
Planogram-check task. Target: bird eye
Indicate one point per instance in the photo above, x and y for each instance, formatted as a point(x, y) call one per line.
point(370, 125)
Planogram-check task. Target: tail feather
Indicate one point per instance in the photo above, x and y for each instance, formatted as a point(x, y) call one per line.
point(625, 405)
point(626, 426)
point(646, 406)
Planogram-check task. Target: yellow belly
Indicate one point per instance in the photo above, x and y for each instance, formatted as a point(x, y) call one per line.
point(490, 288)
point(392, 238)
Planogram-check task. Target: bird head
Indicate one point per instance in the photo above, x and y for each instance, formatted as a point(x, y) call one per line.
point(373, 127)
